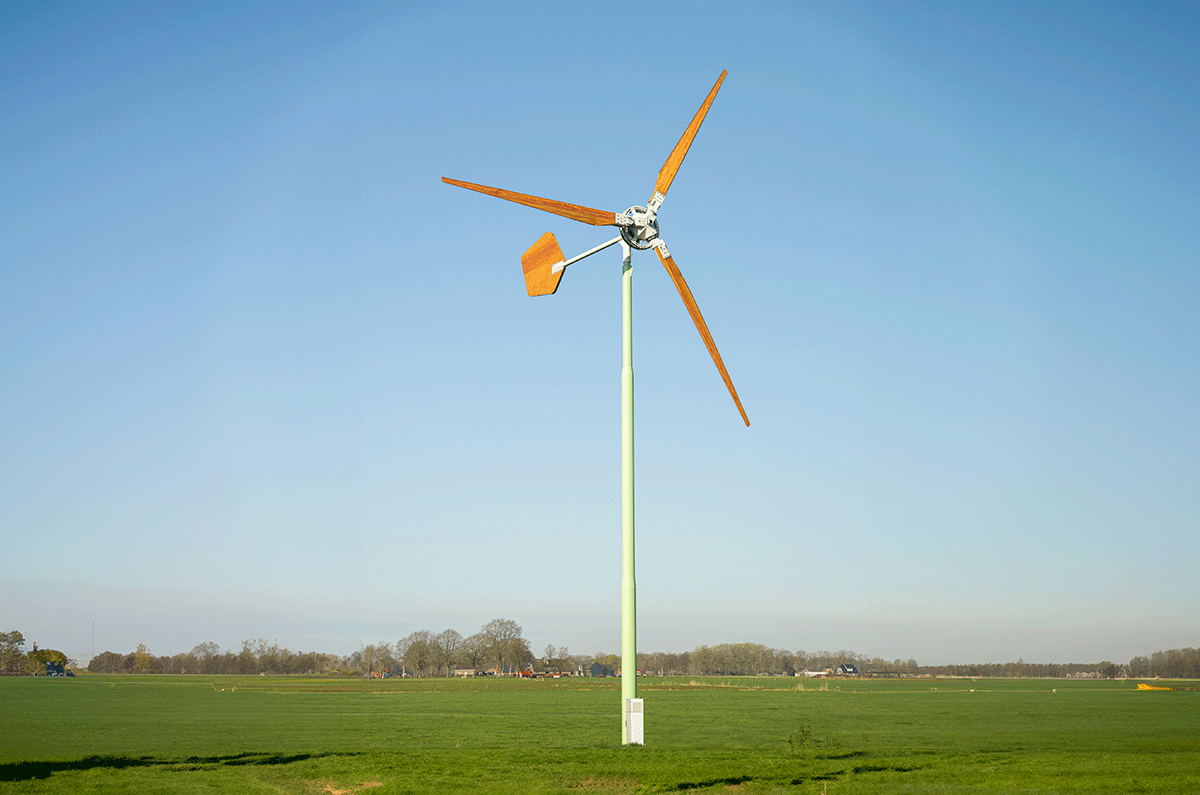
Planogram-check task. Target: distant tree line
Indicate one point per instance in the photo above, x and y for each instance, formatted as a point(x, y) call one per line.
point(1024, 670)
point(256, 657)
point(499, 647)
point(750, 659)
point(1170, 664)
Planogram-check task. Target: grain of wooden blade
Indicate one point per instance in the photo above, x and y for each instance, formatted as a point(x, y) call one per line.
point(573, 211)
point(667, 174)
point(686, 294)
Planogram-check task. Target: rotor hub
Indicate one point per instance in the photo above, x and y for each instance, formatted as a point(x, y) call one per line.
point(643, 231)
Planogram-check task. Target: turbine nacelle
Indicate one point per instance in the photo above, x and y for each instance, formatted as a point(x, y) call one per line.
point(642, 229)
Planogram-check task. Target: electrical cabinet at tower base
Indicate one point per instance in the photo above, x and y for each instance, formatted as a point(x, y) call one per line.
point(635, 727)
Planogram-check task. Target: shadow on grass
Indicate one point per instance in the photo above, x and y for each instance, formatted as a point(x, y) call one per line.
point(834, 775)
point(23, 771)
point(731, 782)
point(884, 769)
point(847, 755)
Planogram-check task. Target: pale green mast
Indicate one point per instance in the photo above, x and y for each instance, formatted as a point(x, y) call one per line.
point(628, 585)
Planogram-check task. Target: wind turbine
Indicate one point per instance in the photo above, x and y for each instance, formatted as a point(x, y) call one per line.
point(543, 265)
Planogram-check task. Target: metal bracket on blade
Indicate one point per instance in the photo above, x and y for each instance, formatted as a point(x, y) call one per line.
point(655, 202)
point(623, 219)
point(661, 246)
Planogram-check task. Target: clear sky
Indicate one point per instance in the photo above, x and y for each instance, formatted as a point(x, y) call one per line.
point(263, 375)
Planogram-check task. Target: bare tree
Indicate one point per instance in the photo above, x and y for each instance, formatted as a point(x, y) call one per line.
point(519, 654)
point(503, 636)
point(367, 660)
point(418, 651)
point(447, 647)
point(474, 650)
point(384, 658)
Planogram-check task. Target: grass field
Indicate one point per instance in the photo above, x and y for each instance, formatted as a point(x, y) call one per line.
point(160, 734)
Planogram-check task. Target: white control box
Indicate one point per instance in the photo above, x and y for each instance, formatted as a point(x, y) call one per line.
point(635, 726)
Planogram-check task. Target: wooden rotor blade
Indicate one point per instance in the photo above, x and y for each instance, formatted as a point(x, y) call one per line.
point(573, 211)
point(686, 294)
point(667, 174)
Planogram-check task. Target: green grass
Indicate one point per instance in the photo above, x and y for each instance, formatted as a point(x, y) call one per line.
point(294, 735)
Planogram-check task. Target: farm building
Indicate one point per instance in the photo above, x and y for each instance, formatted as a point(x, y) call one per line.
point(847, 669)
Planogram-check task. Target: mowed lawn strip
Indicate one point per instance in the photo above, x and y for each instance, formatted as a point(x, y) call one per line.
point(283, 734)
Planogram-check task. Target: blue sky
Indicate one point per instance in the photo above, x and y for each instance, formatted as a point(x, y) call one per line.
point(263, 375)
